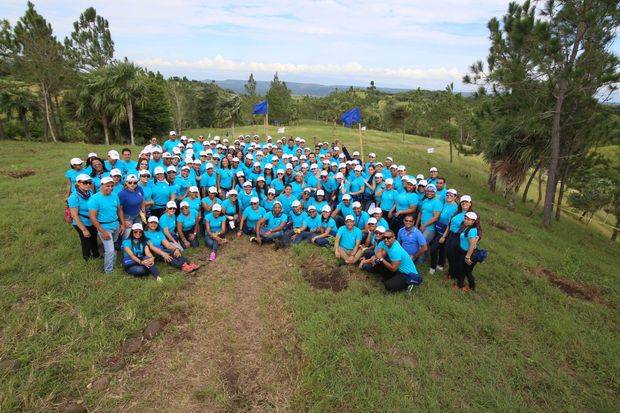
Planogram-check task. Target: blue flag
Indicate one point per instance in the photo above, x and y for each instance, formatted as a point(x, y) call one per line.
point(351, 116)
point(261, 108)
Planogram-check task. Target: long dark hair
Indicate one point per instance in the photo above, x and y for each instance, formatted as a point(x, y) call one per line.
point(93, 173)
point(142, 240)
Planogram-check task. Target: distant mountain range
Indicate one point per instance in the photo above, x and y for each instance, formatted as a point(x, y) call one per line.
point(299, 89)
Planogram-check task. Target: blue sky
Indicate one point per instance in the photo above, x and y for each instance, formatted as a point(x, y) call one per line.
point(411, 43)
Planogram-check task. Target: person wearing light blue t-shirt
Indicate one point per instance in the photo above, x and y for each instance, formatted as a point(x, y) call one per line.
point(166, 250)
point(348, 240)
point(451, 239)
point(106, 214)
point(271, 226)
point(468, 240)
point(215, 228)
point(430, 210)
point(78, 204)
point(187, 226)
point(250, 217)
point(442, 231)
point(396, 265)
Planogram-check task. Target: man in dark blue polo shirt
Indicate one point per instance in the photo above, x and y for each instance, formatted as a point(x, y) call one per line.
point(412, 239)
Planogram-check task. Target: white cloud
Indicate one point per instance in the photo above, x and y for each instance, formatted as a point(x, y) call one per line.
point(220, 63)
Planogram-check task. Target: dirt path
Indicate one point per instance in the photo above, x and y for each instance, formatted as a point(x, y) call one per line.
point(236, 351)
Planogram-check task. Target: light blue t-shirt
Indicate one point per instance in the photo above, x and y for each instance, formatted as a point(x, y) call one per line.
point(155, 238)
point(272, 222)
point(388, 199)
point(430, 206)
point(136, 247)
point(456, 221)
point(215, 223)
point(331, 224)
point(298, 220)
point(313, 223)
point(465, 237)
point(106, 207)
point(447, 212)
point(345, 209)
point(188, 221)
point(77, 201)
point(349, 237)
point(397, 253)
point(252, 216)
point(161, 194)
point(168, 221)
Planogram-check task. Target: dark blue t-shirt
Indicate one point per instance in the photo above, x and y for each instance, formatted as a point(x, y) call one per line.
point(131, 201)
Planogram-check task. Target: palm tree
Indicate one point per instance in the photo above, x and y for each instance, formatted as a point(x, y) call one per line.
point(92, 100)
point(126, 89)
point(17, 98)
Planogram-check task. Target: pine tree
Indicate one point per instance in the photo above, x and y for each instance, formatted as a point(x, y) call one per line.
point(90, 45)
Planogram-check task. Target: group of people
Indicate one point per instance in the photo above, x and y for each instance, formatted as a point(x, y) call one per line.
point(174, 195)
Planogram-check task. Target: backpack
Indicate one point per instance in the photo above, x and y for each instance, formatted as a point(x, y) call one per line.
point(479, 254)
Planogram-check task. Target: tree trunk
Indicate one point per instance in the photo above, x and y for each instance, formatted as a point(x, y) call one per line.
point(47, 112)
point(130, 120)
point(552, 173)
point(106, 129)
point(450, 140)
point(558, 206)
point(492, 181)
point(540, 183)
point(529, 182)
point(23, 117)
point(2, 134)
point(61, 123)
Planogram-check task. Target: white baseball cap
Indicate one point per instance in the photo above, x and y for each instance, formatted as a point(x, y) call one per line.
point(92, 155)
point(451, 191)
point(136, 226)
point(173, 133)
point(339, 175)
point(216, 207)
point(372, 220)
point(212, 190)
point(389, 181)
point(357, 204)
point(240, 173)
point(320, 192)
point(465, 198)
point(271, 191)
point(359, 168)
point(209, 165)
point(377, 210)
point(433, 169)
point(349, 218)
point(402, 168)
point(156, 149)
point(346, 196)
point(471, 215)
point(247, 183)
point(116, 172)
point(171, 204)
point(324, 173)
point(356, 153)
point(76, 161)
point(419, 176)
point(380, 229)
point(113, 154)
point(153, 219)
point(131, 177)
point(422, 182)
point(232, 192)
point(184, 204)
point(372, 155)
point(145, 172)
point(193, 189)
point(296, 203)
point(83, 177)
point(254, 200)
point(171, 168)
point(311, 207)
point(260, 178)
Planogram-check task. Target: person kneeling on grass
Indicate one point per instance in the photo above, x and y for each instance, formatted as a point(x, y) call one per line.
point(137, 257)
point(328, 228)
point(348, 239)
point(271, 227)
point(160, 246)
point(215, 227)
point(392, 261)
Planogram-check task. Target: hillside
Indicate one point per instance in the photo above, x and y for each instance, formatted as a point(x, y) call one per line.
point(540, 333)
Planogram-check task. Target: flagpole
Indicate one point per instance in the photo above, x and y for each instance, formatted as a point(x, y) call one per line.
point(266, 123)
point(359, 128)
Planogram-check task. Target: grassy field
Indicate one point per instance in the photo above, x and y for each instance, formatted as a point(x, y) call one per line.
point(520, 343)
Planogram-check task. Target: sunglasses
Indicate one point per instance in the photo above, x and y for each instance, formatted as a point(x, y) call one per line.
point(389, 237)
point(137, 230)
point(132, 183)
point(87, 182)
point(172, 209)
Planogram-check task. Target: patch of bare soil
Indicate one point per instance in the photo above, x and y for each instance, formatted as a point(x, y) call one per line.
point(502, 225)
point(235, 351)
point(322, 275)
point(574, 289)
point(18, 174)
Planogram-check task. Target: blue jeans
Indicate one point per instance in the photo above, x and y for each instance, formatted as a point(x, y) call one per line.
point(211, 243)
point(109, 252)
point(193, 243)
point(429, 234)
point(271, 237)
point(176, 262)
point(139, 270)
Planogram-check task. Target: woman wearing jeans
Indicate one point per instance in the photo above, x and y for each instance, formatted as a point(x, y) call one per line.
point(106, 215)
point(468, 240)
point(132, 201)
point(137, 257)
point(78, 203)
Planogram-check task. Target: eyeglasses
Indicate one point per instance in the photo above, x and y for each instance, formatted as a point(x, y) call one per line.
point(87, 182)
point(132, 183)
point(409, 220)
point(389, 237)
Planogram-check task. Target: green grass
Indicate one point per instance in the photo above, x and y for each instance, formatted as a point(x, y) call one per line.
point(517, 344)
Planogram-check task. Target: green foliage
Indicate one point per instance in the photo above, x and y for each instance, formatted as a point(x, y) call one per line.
point(595, 193)
point(280, 102)
point(90, 45)
point(154, 116)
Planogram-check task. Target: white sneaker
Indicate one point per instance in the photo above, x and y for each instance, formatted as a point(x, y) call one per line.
point(159, 279)
point(439, 268)
point(431, 271)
